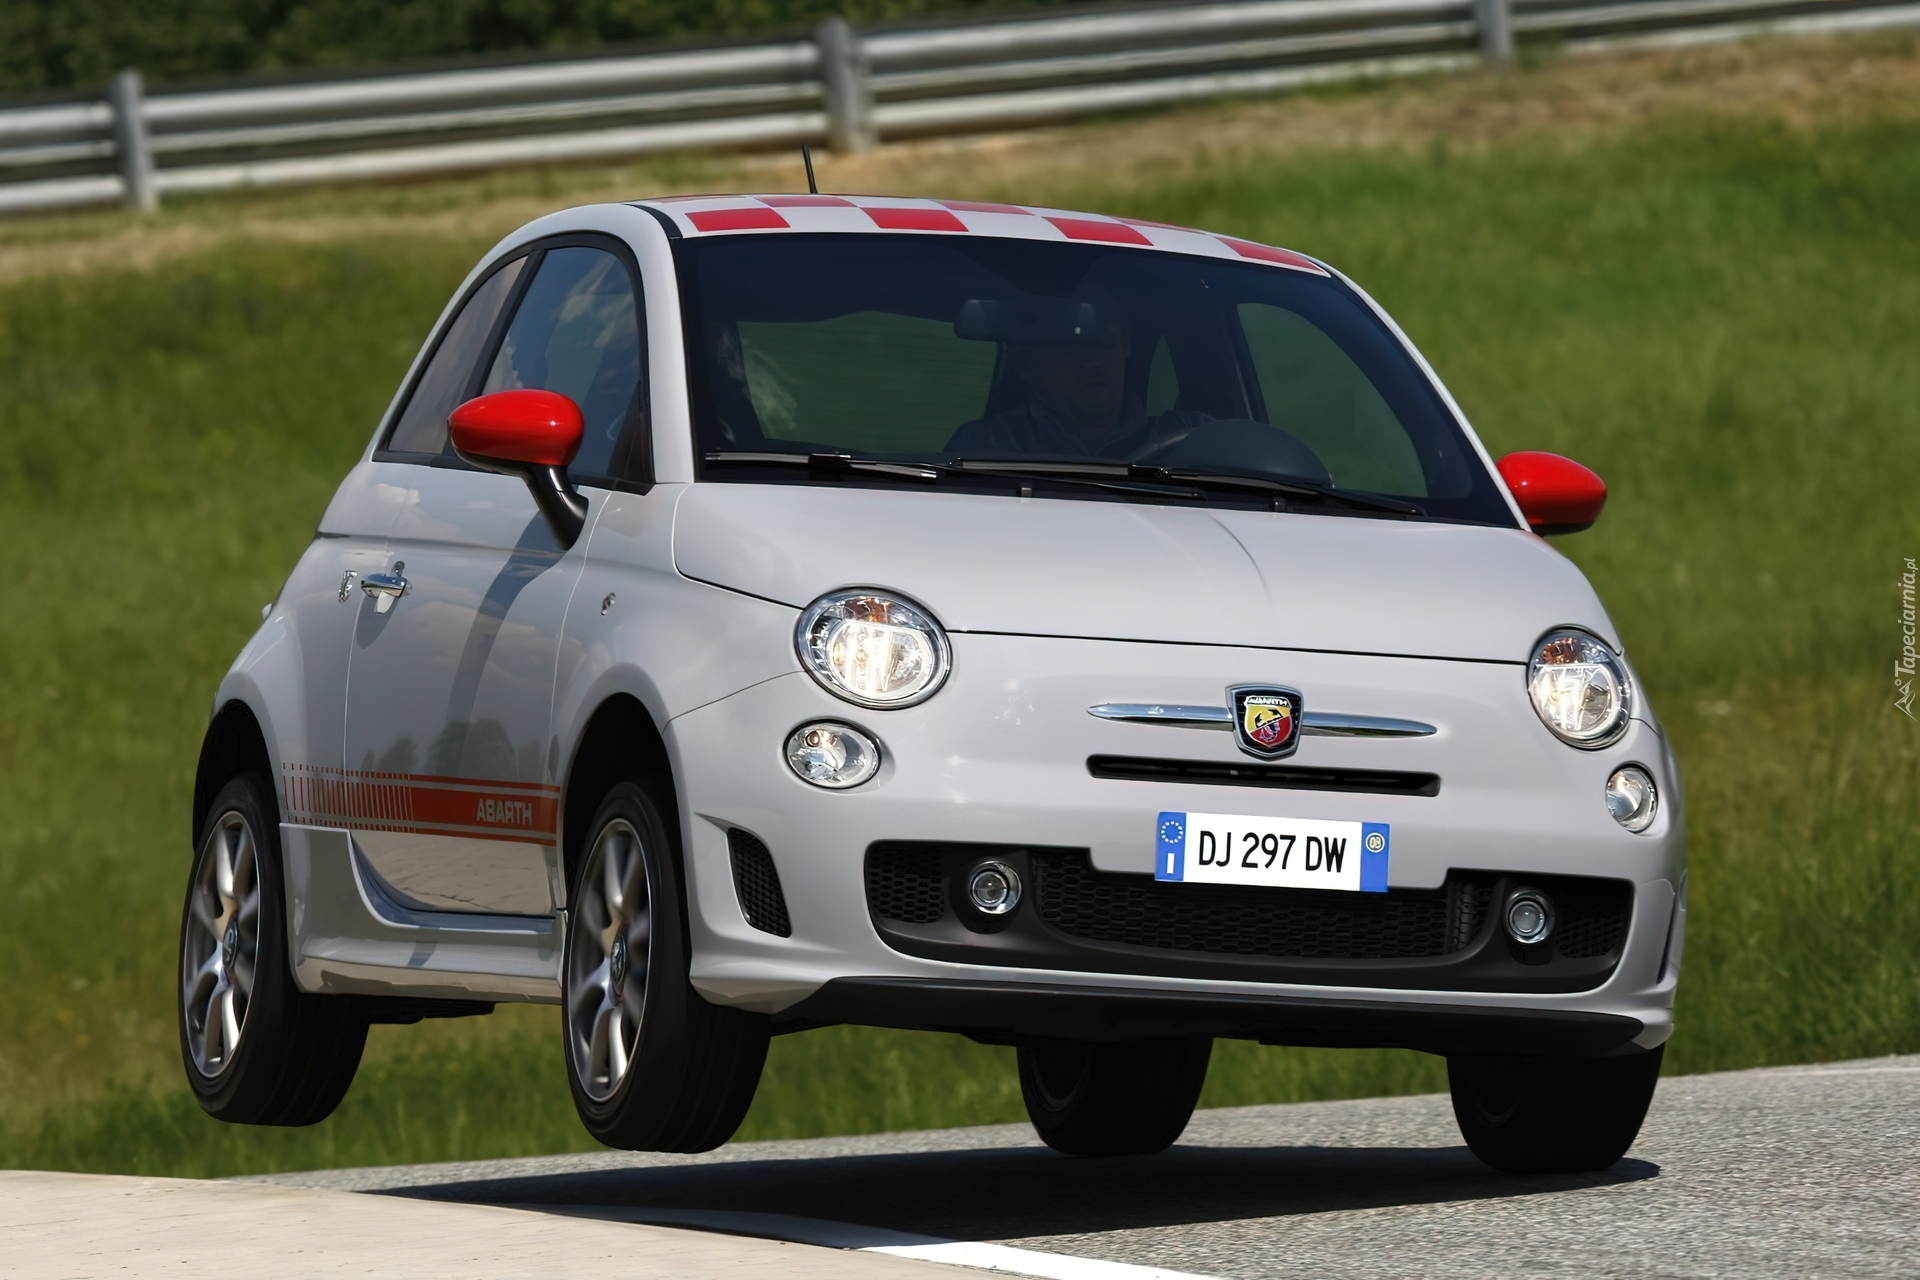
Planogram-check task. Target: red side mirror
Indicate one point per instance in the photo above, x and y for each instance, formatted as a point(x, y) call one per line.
point(533, 435)
point(538, 427)
point(1556, 494)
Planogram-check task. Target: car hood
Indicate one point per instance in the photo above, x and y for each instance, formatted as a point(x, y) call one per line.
point(1128, 571)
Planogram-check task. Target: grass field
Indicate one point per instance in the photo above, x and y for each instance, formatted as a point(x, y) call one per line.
point(1715, 309)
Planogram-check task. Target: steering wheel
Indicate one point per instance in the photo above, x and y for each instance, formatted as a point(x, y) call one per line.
point(1238, 444)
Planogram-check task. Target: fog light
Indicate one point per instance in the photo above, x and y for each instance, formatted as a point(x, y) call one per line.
point(1529, 916)
point(1631, 797)
point(836, 756)
point(993, 888)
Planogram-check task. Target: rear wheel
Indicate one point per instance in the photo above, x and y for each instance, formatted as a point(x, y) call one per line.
point(653, 1066)
point(257, 1049)
point(1127, 1099)
point(1552, 1115)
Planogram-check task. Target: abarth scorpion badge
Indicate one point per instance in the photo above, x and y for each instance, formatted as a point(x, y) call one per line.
point(1266, 721)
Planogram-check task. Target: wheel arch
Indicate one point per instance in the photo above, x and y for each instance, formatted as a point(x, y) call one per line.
point(620, 741)
point(234, 744)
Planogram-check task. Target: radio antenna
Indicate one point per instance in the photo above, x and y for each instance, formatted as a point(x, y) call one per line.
point(806, 153)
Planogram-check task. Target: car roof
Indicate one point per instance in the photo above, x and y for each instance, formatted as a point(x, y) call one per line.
point(695, 216)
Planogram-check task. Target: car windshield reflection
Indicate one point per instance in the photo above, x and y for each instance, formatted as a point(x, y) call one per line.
point(921, 352)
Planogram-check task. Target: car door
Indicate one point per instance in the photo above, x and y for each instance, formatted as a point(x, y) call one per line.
point(317, 605)
point(450, 685)
point(322, 598)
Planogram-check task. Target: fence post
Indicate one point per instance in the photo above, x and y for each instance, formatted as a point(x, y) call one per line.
point(128, 96)
point(843, 69)
point(1494, 18)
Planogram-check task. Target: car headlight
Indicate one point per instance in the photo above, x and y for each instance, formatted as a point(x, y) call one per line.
point(1580, 688)
point(873, 649)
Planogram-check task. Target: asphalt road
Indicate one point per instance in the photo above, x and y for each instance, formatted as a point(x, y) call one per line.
point(1800, 1171)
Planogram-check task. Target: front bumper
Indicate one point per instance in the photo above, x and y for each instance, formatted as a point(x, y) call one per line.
point(1011, 1011)
point(1000, 756)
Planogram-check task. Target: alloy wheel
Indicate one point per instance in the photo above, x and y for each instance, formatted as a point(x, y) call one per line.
point(218, 954)
point(608, 959)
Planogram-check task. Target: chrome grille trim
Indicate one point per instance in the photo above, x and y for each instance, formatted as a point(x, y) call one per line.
point(1328, 724)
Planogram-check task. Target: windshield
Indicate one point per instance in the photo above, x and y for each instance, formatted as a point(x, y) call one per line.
point(1003, 352)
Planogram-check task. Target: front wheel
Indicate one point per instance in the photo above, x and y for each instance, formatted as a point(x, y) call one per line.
point(1127, 1099)
point(1552, 1115)
point(653, 1066)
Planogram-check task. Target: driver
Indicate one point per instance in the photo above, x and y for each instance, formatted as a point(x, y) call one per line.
point(1071, 369)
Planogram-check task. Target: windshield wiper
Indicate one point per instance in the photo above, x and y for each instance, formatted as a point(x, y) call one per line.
point(841, 464)
point(832, 464)
point(1298, 488)
point(1117, 477)
point(1108, 473)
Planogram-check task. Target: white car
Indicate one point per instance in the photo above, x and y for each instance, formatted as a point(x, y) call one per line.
point(1084, 634)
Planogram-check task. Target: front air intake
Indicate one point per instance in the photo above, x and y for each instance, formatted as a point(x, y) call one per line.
point(756, 883)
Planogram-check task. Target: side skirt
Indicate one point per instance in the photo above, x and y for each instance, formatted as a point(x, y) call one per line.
point(351, 937)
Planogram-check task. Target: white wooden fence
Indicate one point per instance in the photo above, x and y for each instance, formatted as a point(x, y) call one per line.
point(844, 87)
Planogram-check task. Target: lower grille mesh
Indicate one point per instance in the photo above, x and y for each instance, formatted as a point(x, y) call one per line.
point(1401, 924)
point(757, 883)
point(905, 885)
point(1591, 919)
point(1470, 906)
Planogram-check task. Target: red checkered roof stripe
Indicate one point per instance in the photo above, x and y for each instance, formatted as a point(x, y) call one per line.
point(707, 215)
point(754, 217)
point(1267, 253)
point(896, 218)
point(1106, 230)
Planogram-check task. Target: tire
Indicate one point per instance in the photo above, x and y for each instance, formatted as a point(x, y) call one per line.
point(257, 1049)
point(1552, 1115)
point(652, 1065)
point(1128, 1099)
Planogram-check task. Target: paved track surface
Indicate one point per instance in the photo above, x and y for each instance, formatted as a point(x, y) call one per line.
point(74, 1225)
point(1801, 1171)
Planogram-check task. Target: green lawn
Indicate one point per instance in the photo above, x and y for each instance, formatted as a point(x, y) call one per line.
point(1719, 317)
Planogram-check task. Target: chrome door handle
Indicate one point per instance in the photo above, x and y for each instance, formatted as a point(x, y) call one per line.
point(384, 588)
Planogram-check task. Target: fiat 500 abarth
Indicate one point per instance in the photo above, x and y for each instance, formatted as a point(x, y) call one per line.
point(1086, 635)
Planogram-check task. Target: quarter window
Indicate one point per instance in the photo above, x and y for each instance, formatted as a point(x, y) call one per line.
point(443, 383)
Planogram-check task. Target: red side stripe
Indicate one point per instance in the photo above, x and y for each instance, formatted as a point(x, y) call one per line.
point(1158, 226)
point(897, 219)
point(981, 206)
point(806, 202)
point(1089, 229)
point(479, 808)
point(755, 219)
point(1266, 253)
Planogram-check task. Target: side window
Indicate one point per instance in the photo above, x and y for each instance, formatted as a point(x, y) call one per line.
point(577, 332)
point(443, 383)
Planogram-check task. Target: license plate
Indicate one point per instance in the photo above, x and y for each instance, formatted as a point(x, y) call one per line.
point(1297, 853)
